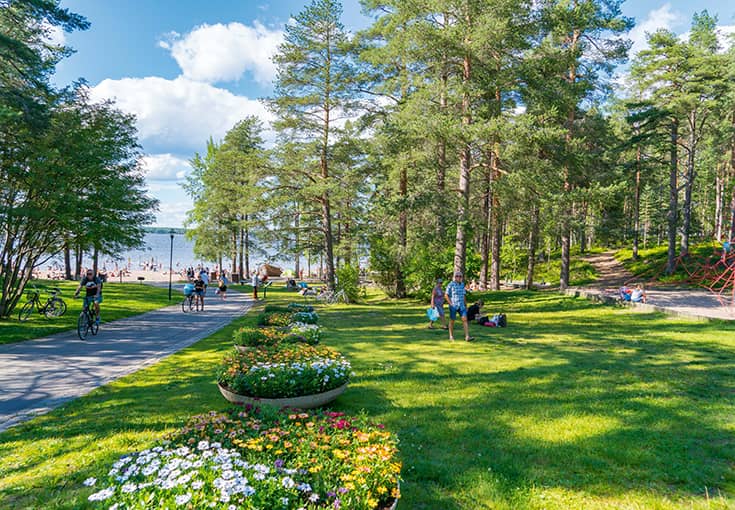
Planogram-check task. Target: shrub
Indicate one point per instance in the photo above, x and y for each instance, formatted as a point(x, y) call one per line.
point(255, 337)
point(298, 307)
point(288, 370)
point(276, 309)
point(348, 278)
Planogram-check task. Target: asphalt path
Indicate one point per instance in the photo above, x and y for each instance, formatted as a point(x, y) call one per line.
point(39, 375)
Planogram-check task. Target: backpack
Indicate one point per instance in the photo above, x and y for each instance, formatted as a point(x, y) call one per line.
point(502, 321)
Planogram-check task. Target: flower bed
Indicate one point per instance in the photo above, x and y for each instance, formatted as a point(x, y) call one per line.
point(305, 317)
point(276, 319)
point(298, 307)
point(287, 370)
point(311, 333)
point(260, 459)
point(256, 337)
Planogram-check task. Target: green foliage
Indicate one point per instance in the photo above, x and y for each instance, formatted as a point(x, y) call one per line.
point(348, 280)
point(627, 408)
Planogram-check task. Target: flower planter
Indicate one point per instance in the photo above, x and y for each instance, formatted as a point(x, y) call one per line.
point(305, 402)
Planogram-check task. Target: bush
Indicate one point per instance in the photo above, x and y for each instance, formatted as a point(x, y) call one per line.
point(277, 319)
point(276, 309)
point(348, 278)
point(307, 333)
point(256, 337)
point(298, 307)
point(305, 317)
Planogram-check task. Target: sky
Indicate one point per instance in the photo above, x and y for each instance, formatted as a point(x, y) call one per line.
point(189, 70)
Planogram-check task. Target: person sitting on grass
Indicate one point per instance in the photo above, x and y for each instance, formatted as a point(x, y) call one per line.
point(473, 312)
point(638, 295)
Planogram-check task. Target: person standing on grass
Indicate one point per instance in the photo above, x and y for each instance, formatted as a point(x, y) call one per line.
point(457, 301)
point(437, 301)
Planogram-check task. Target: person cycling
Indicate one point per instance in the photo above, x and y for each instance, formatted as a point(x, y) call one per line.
point(199, 288)
point(93, 288)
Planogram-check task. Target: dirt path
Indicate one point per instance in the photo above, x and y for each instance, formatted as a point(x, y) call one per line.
point(612, 274)
point(685, 302)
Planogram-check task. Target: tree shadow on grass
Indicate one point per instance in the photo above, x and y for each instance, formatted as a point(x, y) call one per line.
point(589, 401)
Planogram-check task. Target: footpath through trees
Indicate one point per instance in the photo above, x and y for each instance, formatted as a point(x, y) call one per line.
point(686, 302)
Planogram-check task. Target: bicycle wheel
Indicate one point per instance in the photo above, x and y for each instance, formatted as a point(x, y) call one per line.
point(341, 297)
point(55, 308)
point(26, 311)
point(186, 305)
point(83, 325)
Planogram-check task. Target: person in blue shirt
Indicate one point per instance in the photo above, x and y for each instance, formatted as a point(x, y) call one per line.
point(456, 299)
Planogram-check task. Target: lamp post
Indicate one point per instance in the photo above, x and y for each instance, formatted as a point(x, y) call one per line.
point(170, 265)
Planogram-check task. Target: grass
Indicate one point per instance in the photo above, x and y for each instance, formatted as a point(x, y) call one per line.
point(119, 300)
point(651, 262)
point(581, 272)
point(574, 405)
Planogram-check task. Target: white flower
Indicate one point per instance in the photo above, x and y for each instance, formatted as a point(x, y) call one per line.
point(183, 499)
point(284, 501)
point(197, 484)
point(89, 482)
point(102, 495)
point(304, 487)
point(129, 487)
point(113, 507)
point(288, 482)
point(203, 445)
point(314, 498)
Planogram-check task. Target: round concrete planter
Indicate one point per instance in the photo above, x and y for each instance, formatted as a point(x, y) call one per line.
point(305, 402)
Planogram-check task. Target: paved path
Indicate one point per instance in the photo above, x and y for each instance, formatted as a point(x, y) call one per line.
point(694, 303)
point(39, 375)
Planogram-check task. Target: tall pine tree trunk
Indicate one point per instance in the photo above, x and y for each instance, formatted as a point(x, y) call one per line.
point(96, 260)
point(465, 165)
point(243, 275)
point(297, 244)
point(672, 215)
point(566, 226)
point(689, 185)
point(719, 201)
point(532, 245)
point(637, 203)
point(246, 250)
point(233, 268)
point(67, 261)
point(402, 234)
point(485, 238)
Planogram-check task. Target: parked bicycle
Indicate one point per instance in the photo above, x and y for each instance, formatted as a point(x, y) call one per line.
point(87, 321)
point(53, 307)
point(330, 297)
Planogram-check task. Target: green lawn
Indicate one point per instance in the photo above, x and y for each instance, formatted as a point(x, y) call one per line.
point(651, 263)
point(574, 405)
point(119, 300)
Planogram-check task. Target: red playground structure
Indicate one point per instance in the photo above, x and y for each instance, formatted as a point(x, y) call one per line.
point(716, 273)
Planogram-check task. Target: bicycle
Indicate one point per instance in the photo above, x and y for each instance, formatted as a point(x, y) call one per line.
point(87, 321)
point(53, 307)
point(187, 305)
point(330, 297)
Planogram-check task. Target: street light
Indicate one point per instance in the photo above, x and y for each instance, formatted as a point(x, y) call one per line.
point(170, 265)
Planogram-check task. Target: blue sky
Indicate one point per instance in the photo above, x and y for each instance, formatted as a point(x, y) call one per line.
point(191, 69)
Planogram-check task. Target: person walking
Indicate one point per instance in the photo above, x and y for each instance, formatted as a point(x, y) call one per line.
point(457, 301)
point(222, 287)
point(254, 282)
point(437, 302)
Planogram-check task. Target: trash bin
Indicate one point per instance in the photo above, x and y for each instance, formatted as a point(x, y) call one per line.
point(235, 277)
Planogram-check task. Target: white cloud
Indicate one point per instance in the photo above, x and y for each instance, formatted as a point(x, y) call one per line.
point(663, 17)
point(165, 167)
point(172, 213)
point(54, 35)
point(220, 53)
point(178, 115)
